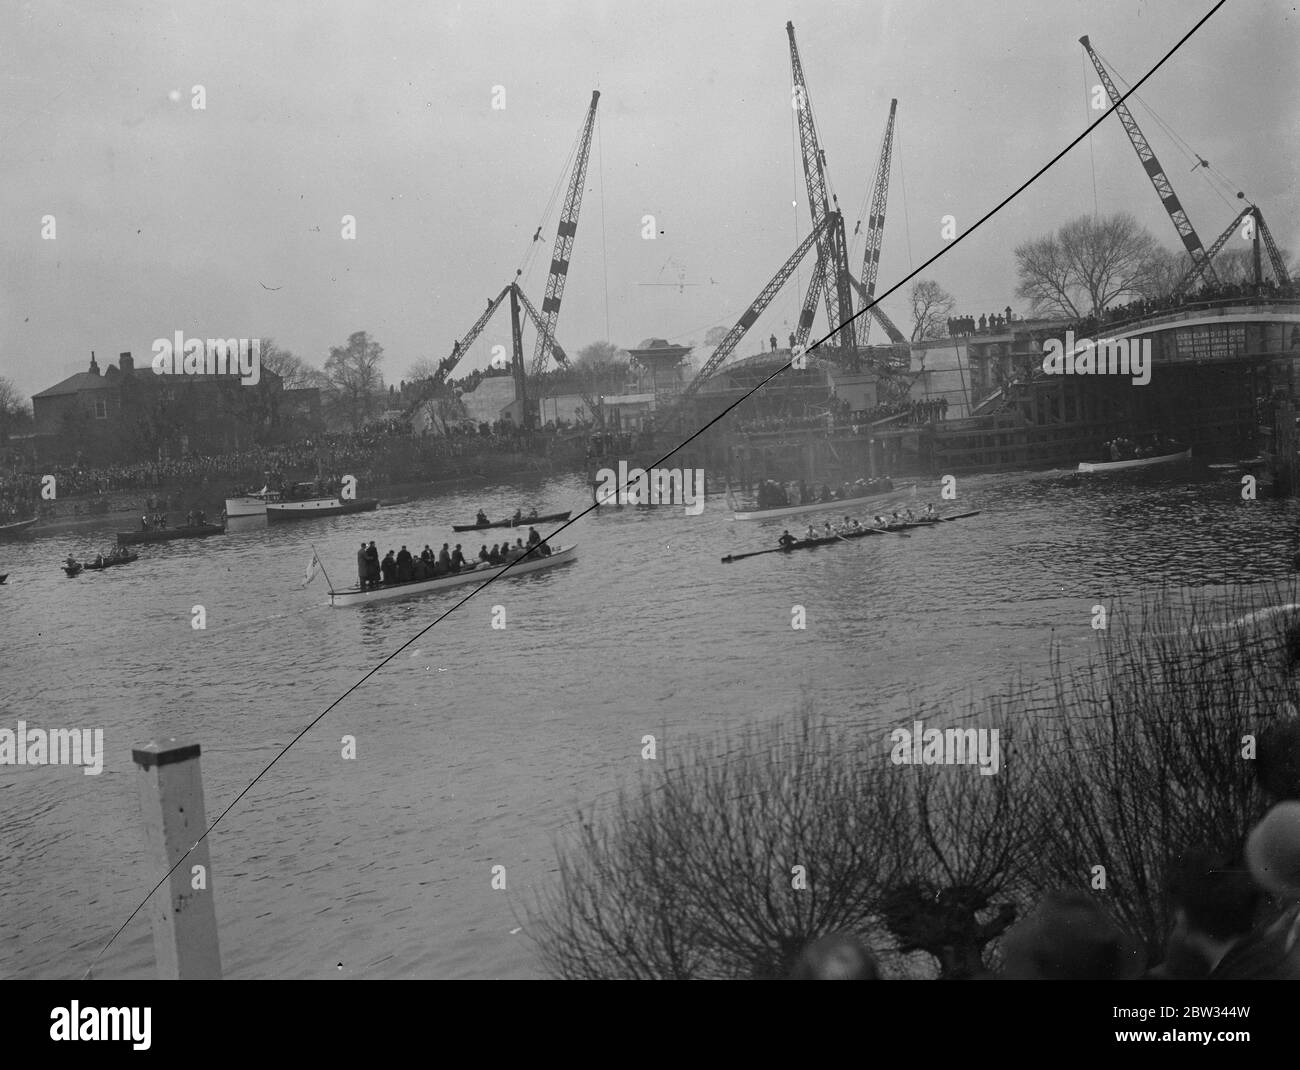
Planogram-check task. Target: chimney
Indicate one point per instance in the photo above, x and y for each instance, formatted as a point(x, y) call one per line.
point(126, 363)
point(94, 368)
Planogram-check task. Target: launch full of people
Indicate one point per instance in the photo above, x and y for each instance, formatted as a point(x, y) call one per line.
point(403, 566)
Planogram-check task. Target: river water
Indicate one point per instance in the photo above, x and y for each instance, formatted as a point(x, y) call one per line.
point(476, 746)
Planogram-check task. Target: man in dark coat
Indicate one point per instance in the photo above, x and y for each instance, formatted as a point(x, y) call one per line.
point(389, 568)
point(457, 559)
point(444, 559)
point(403, 565)
point(372, 565)
point(361, 567)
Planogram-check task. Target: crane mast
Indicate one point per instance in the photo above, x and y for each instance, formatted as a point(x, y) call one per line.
point(1191, 240)
point(564, 236)
point(1262, 233)
point(832, 247)
point(875, 234)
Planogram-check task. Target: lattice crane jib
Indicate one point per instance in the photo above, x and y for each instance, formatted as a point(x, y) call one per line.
point(832, 249)
point(561, 357)
point(875, 236)
point(1191, 240)
point(564, 235)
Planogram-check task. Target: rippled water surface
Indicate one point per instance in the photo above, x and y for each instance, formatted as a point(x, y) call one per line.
point(475, 746)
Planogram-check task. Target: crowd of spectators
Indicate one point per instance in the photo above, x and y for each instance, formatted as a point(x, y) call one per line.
point(1207, 295)
point(991, 323)
point(380, 453)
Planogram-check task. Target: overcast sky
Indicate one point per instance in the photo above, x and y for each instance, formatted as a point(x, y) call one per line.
point(227, 221)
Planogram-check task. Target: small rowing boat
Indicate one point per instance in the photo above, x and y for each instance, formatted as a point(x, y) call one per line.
point(353, 596)
point(185, 531)
point(16, 526)
point(513, 523)
point(823, 507)
point(849, 536)
point(75, 568)
point(3, 576)
point(1135, 462)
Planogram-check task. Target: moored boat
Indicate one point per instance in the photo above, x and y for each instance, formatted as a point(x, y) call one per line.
point(1134, 462)
point(3, 576)
point(253, 504)
point(185, 531)
point(354, 596)
point(16, 526)
point(822, 507)
point(310, 508)
point(513, 523)
point(849, 536)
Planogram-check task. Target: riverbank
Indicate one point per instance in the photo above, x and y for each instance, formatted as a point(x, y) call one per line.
point(127, 506)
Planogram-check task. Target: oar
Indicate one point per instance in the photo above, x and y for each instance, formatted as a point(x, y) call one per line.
point(754, 553)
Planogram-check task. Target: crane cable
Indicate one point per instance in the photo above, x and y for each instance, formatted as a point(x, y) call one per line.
point(530, 251)
point(1092, 157)
point(1183, 145)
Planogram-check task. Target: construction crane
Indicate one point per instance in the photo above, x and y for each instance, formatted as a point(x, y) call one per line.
point(557, 351)
point(564, 236)
point(1261, 233)
point(461, 347)
point(832, 247)
point(1191, 240)
point(875, 232)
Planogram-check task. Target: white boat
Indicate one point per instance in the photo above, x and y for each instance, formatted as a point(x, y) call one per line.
point(834, 505)
point(251, 504)
point(354, 596)
point(1136, 462)
point(308, 508)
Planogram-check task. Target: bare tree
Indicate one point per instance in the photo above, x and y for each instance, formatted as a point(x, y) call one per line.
point(1088, 263)
point(1237, 265)
point(294, 372)
point(714, 335)
point(931, 304)
point(354, 376)
point(424, 368)
point(15, 412)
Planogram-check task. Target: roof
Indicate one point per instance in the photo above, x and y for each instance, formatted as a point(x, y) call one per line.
point(75, 384)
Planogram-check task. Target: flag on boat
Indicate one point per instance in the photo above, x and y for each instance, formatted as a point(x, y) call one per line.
point(312, 569)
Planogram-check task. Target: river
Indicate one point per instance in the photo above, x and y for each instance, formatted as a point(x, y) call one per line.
point(475, 746)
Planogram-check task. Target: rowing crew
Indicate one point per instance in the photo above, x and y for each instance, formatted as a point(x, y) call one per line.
point(852, 526)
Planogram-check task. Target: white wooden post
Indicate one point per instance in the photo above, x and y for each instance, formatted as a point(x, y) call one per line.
point(182, 912)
